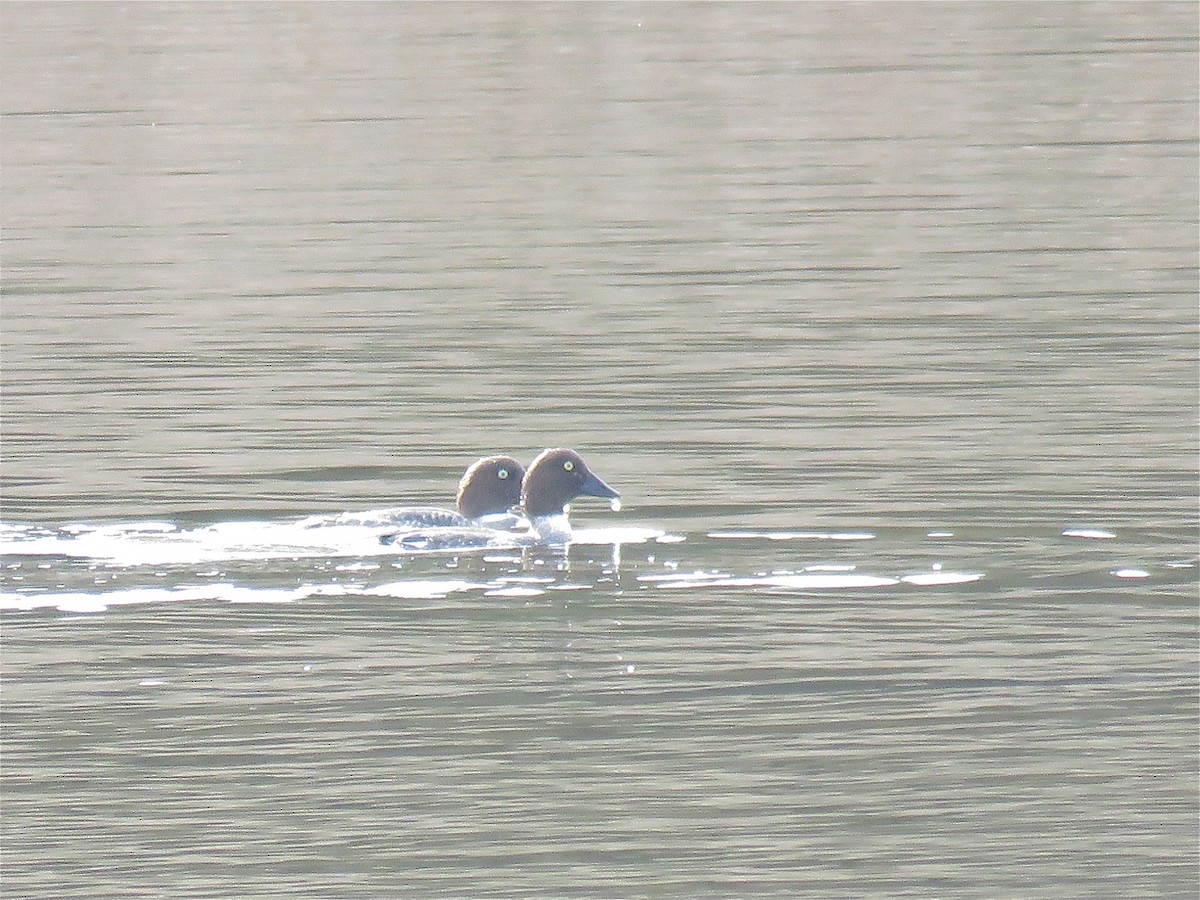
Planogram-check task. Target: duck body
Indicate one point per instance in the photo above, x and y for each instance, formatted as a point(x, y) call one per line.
point(392, 517)
point(487, 492)
point(453, 539)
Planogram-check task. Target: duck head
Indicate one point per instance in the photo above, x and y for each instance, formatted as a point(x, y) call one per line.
point(490, 486)
point(555, 478)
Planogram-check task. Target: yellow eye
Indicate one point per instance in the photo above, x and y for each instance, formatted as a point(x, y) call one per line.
point(569, 466)
point(502, 474)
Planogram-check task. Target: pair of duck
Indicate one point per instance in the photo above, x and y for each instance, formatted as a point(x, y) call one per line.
point(500, 502)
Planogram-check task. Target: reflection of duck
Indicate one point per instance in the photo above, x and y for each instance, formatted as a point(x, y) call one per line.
point(488, 490)
point(555, 478)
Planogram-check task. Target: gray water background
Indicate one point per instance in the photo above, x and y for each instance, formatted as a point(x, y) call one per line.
point(899, 268)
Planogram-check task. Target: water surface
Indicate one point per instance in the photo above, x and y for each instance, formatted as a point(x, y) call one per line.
point(882, 318)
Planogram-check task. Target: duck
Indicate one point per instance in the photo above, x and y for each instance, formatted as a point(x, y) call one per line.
point(554, 478)
point(488, 491)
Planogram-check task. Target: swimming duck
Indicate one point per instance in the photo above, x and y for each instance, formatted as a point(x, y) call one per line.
point(489, 489)
point(555, 478)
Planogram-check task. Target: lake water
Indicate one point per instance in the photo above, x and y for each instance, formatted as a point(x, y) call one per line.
point(881, 317)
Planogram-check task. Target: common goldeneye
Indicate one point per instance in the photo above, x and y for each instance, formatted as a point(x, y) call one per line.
point(489, 489)
point(555, 478)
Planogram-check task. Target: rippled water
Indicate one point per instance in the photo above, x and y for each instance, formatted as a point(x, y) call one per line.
point(882, 318)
